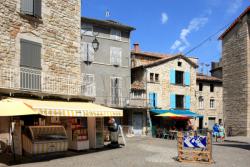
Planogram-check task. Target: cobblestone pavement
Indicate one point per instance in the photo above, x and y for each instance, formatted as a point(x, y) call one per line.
point(148, 152)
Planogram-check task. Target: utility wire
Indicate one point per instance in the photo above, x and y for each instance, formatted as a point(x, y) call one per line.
point(207, 39)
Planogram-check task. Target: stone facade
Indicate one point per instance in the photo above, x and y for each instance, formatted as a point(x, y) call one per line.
point(58, 32)
point(216, 112)
point(236, 76)
point(164, 88)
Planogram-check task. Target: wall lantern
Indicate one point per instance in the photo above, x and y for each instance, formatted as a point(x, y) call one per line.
point(95, 44)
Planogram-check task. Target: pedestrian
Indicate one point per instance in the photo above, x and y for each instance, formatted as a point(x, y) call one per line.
point(221, 132)
point(216, 131)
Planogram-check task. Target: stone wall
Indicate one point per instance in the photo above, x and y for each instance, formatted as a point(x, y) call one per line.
point(58, 31)
point(235, 61)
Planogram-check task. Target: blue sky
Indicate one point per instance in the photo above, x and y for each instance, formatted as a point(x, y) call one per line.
point(171, 26)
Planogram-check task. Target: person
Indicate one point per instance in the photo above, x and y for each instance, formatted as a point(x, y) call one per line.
point(221, 132)
point(113, 128)
point(216, 131)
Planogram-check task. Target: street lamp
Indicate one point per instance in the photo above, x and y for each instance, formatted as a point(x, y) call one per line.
point(95, 44)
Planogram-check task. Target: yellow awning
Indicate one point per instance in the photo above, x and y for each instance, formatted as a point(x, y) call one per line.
point(168, 114)
point(71, 109)
point(9, 107)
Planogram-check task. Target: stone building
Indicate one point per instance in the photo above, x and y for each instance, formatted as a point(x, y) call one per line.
point(236, 68)
point(209, 100)
point(162, 82)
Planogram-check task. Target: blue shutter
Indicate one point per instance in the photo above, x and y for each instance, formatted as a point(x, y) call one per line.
point(187, 78)
point(172, 76)
point(151, 96)
point(187, 102)
point(172, 101)
point(155, 100)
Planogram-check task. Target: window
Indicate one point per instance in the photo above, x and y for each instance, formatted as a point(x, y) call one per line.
point(87, 52)
point(151, 77)
point(200, 86)
point(179, 63)
point(179, 101)
point(211, 88)
point(153, 99)
point(137, 94)
point(30, 63)
point(116, 56)
point(201, 102)
point(88, 88)
point(212, 104)
point(116, 85)
point(179, 77)
point(156, 77)
point(31, 7)
point(30, 54)
point(115, 34)
point(87, 29)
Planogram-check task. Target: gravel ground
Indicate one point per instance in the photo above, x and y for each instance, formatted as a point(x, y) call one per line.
point(148, 152)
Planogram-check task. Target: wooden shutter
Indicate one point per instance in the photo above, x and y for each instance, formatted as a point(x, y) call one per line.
point(172, 76)
point(112, 57)
point(155, 100)
point(187, 78)
point(27, 6)
point(38, 8)
point(172, 101)
point(30, 54)
point(84, 51)
point(151, 99)
point(91, 52)
point(187, 102)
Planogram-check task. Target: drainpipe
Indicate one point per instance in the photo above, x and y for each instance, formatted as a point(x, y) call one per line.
point(148, 112)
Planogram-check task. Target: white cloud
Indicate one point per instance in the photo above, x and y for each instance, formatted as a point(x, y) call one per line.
point(194, 25)
point(234, 5)
point(164, 18)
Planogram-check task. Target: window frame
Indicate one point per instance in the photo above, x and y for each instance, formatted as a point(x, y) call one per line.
point(201, 102)
point(177, 106)
point(177, 75)
point(85, 31)
point(36, 12)
point(212, 103)
point(200, 87)
point(113, 60)
point(157, 79)
point(115, 34)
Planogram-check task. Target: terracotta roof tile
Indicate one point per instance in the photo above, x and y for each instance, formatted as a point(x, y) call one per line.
point(202, 77)
point(150, 54)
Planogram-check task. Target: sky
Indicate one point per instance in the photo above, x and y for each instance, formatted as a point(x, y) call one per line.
point(172, 26)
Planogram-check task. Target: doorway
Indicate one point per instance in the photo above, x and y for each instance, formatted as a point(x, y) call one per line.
point(211, 122)
point(137, 123)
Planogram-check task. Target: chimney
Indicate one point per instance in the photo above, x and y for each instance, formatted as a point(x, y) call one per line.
point(136, 47)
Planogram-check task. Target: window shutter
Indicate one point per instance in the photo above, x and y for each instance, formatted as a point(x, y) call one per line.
point(91, 52)
point(120, 56)
point(151, 99)
point(27, 7)
point(187, 78)
point(155, 100)
point(112, 57)
point(172, 76)
point(187, 102)
point(172, 101)
point(84, 51)
point(38, 8)
point(30, 54)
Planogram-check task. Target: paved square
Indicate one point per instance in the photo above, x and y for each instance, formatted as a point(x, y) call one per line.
point(148, 152)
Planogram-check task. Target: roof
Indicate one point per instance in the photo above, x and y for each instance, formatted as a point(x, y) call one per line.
point(110, 23)
point(137, 85)
point(150, 54)
point(166, 59)
point(207, 78)
point(237, 20)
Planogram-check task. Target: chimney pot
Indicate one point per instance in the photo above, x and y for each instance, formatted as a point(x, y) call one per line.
point(136, 47)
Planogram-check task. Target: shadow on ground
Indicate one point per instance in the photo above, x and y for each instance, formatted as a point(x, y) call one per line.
point(240, 145)
point(9, 159)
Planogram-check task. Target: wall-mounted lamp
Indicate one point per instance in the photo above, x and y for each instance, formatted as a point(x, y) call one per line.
point(95, 44)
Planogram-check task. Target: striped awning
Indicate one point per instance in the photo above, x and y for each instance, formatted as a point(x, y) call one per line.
point(71, 109)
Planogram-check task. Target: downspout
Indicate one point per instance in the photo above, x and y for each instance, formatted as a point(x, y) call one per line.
point(148, 112)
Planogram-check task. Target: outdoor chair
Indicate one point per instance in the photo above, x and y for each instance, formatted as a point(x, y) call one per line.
point(165, 135)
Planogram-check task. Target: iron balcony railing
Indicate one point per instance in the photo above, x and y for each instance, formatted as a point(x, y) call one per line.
point(35, 80)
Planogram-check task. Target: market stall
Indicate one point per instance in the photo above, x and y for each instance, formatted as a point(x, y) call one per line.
point(44, 139)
